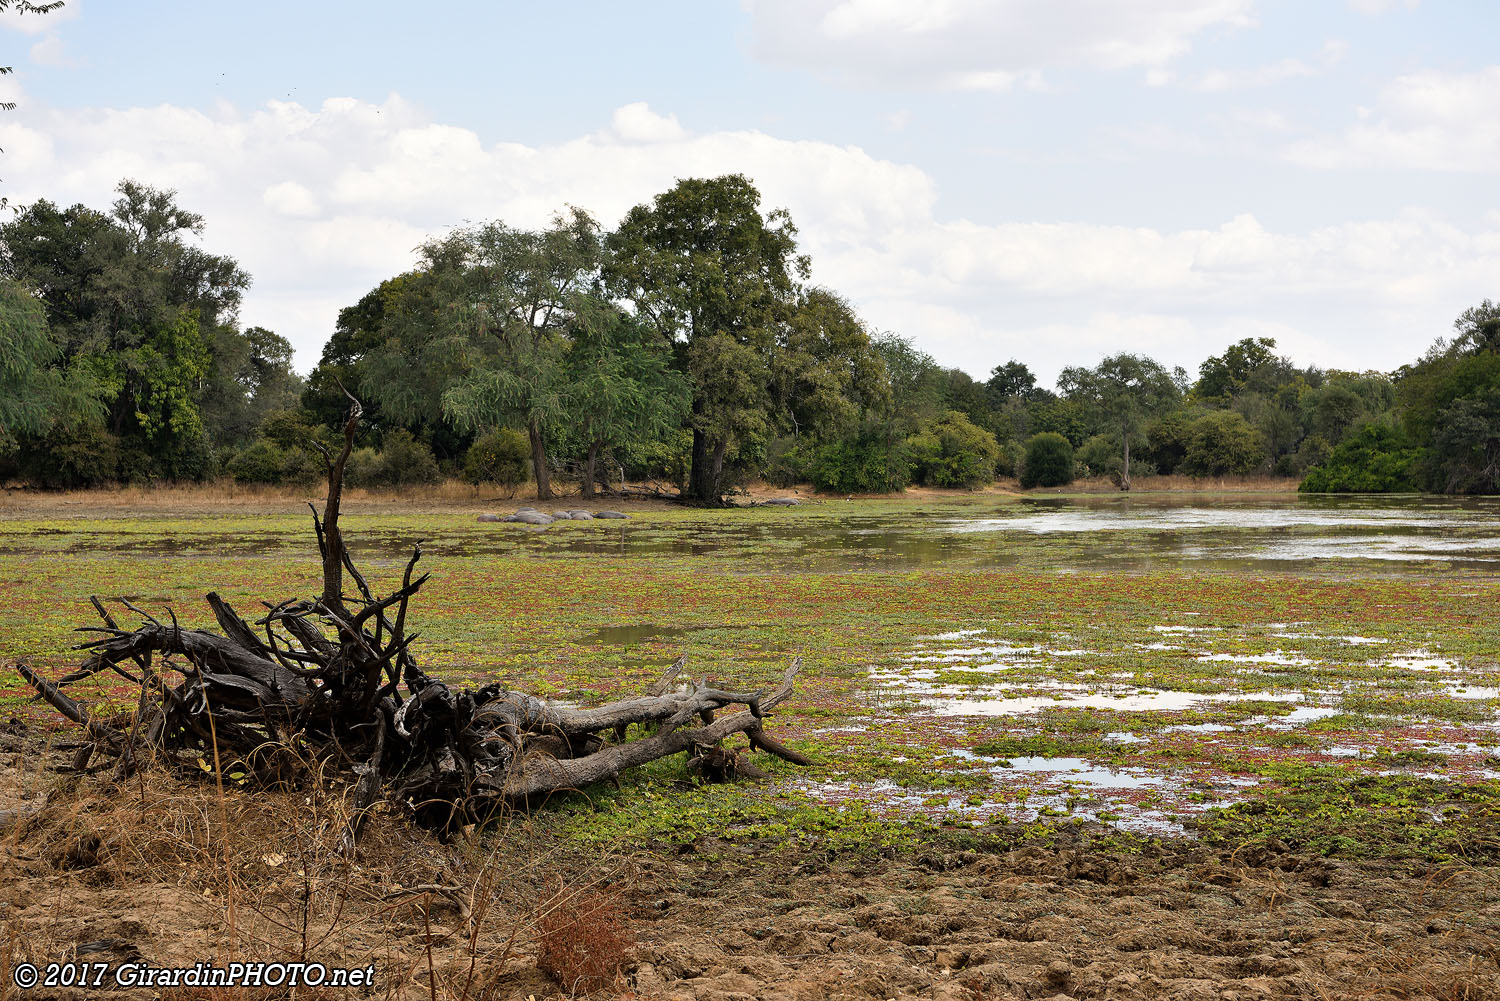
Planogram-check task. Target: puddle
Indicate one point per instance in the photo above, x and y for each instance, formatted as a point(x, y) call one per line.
point(1083, 770)
point(948, 702)
point(1459, 691)
point(1273, 657)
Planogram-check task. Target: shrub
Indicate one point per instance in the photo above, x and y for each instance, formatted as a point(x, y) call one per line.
point(290, 429)
point(264, 461)
point(71, 458)
point(581, 940)
point(1167, 440)
point(501, 456)
point(867, 463)
point(1048, 461)
point(1223, 443)
point(786, 463)
point(403, 461)
point(1377, 458)
point(1101, 455)
point(953, 452)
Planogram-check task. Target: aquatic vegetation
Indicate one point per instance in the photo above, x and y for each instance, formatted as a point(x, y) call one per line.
point(1184, 667)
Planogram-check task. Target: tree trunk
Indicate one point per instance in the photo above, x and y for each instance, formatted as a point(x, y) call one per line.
point(720, 447)
point(586, 488)
point(539, 462)
point(1125, 475)
point(701, 482)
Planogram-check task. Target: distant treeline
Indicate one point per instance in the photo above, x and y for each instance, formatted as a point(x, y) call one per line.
point(686, 346)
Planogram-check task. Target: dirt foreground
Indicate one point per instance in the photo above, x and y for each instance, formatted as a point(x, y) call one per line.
point(143, 873)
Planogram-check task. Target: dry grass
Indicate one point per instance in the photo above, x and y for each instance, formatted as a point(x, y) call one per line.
point(458, 496)
point(582, 938)
point(177, 872)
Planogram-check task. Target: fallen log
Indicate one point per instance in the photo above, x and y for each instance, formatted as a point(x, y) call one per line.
point(336, 674)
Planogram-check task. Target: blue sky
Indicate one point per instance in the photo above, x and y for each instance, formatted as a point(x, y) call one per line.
point(1050, 180)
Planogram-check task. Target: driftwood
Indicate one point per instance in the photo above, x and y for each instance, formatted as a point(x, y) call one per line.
point(336, 675)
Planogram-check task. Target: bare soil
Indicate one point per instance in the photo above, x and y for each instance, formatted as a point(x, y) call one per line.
point(169, 871)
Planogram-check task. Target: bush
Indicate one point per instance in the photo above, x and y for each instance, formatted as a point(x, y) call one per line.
point(1048, 461)
point(1167, 440)
point(786, 463)
point(865, 464)
point(502, 456)
point(264, 461)
point(582, 939)
point(1223, 443)
point(1101, 455)
point(403, 461)
point(1377, 458)
point(953, 452)
point(71, 458)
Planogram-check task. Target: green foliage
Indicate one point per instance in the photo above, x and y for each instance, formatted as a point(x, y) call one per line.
point(1101, 455)
point(1168, 438)
point(1223, 443)
point(1378, 458)
point(1249, 363)
point(266, 461)
point(867, 462)
point(952, 452)
point(501, 456)
point(402, 461)
point(142, 332)
point(1048, 461)
point(716, 278)
point(71, 456)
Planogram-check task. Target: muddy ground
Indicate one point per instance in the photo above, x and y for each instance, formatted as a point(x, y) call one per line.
point(143, 871)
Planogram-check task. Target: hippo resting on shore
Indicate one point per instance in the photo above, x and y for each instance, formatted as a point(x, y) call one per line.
point(488, 517)
point(531, 516)
point(610, 514)
point(580, 516)
point(781, 502)
point(561, 515)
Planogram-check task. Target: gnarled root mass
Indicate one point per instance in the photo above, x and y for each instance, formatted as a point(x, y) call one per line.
point(336, 675)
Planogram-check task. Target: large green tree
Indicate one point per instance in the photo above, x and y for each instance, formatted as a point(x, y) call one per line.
point(1125, 390)
point(717, 278)
point(134, 310)
point(619, 387)
point(507, 297)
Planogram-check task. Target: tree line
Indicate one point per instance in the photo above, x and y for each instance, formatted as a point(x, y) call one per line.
point(687, 346)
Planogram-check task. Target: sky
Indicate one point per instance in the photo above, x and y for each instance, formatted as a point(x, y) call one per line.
point(1046, 180)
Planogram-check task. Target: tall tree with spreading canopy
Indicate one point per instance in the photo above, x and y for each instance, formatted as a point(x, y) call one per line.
point(716, 278)
point(512, 294)
point(1126, 390)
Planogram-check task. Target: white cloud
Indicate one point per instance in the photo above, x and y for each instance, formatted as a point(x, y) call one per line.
point(637, 123)
point(50, 51)
point(979, 44)
point(290, 199)
point(320, 204)
point(1423, 121)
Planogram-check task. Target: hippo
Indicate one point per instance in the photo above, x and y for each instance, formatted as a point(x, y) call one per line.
point(782, 502)
point(561, 515)
point(530, 517)
point(488, 517)
point(580, 516)
point(610, 514)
